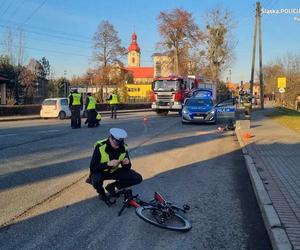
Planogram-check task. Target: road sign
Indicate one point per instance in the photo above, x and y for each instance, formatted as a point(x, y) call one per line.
point(281, 82)
point(281, 90)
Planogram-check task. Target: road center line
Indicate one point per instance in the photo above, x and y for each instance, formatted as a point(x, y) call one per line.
point(7, 135)
point(48, 131)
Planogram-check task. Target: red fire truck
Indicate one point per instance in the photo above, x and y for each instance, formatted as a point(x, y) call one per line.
point(168, 93)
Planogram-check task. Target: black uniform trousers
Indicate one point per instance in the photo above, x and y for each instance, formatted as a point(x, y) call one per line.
point(113, 108)
point(124, 178)
point(75, 116)
point(91, 117)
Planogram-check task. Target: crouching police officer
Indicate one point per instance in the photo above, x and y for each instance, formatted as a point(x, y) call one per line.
point(111, 161)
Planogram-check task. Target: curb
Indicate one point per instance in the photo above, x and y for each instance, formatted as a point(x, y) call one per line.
point(276, 231)
point(36, 117)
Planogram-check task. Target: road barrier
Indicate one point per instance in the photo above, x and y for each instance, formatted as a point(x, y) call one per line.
point(34, 109)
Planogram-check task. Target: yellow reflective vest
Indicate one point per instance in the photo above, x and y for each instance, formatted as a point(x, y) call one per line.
point(105, 156)
point(98, 116)
point(114, 99)
point(76, 99)
point(92, 103)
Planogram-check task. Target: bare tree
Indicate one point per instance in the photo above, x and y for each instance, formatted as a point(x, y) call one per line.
point(15, 52)
point(287, 66)
point(220, 41)
point(291, 65)
point(20, 48)
point(271, 72)
point(8, 45)
point(179, 33)
point(28, 79)
point(107, 45)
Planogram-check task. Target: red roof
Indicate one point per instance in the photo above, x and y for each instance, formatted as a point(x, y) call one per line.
point(142, 72)
point(134, 46)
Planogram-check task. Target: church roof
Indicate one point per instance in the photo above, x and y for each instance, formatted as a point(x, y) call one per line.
point(134, 46)
point(142, 72)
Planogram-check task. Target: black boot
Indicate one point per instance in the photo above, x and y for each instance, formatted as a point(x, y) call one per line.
point(111, 189)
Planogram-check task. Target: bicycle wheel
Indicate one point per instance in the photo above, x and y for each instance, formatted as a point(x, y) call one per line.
point(175, 222)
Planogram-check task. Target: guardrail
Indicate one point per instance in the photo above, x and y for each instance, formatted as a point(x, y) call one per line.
point(34, 109)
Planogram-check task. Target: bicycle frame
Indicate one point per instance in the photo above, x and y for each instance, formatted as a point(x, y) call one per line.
point(131, 200)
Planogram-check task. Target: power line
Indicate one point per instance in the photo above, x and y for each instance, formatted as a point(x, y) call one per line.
point(51, 51)
point(53, 30)
point(16, 9)
point(10, 4)
point(34, 11)
point(2, 5)
point(65, 44)
point(47, 34)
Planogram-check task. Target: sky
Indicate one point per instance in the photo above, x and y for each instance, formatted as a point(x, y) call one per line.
point(62, 31)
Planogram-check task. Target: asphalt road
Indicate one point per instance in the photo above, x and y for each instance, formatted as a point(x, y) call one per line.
point(45, 203)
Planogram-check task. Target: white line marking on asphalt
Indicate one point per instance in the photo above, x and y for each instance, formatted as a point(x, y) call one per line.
point(48, 131)
point(7, 135)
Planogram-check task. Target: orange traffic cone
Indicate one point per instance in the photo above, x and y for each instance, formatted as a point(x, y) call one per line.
point(247, 135)
point(145, 119)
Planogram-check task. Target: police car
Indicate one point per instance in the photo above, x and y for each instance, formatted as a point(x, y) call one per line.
point(198, 110)
point(201, 109)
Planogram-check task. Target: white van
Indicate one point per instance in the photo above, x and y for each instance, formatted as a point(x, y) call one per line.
point(56, 107)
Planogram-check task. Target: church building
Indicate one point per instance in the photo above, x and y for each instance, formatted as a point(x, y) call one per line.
point(142, 76)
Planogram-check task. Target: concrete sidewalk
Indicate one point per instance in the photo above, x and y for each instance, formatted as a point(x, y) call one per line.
point(33, 117)
point(272, 156)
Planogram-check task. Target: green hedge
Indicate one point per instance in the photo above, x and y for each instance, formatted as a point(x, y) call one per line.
point(34, 109)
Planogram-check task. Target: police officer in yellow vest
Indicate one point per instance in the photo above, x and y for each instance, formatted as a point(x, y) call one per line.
point(90, 106)
point(75, 105)
point(111, 161)
point(113, 102)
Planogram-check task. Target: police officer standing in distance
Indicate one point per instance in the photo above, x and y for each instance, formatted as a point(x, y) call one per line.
point(90, 106)
point(111, 161)
point(113, 102)
point(75, 105)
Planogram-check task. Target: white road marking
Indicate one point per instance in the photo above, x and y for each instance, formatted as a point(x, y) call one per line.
point(48, 131)
point(7, 135)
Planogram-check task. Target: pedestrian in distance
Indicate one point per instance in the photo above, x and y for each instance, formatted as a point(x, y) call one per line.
point(113, 102)
point(75, 105)
point(111, 161)
point(90, 106)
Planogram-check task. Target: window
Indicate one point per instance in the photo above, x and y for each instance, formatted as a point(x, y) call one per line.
point(133, 59)
point(199, 102)
point(158, 68)
point(225, 103)
point(64, 102)
point(49, 102)
point(166, 85)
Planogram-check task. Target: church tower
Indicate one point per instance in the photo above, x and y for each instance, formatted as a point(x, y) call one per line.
point(134, 52)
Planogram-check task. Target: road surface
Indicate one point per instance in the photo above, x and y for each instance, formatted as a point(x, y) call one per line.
point(46, 204)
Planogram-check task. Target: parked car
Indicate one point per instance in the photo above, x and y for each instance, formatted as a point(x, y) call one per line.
point(200, 110)
point(56, 107)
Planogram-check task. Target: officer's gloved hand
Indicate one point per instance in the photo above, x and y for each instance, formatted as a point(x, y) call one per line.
point(113, 163)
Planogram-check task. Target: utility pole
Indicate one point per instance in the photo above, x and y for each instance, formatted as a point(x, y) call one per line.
point(254, 52)
point(261, 84)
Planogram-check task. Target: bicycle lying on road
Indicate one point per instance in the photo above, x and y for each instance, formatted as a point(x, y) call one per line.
point(158, 211)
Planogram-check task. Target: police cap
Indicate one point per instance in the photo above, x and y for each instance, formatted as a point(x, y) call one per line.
point(118, 134)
